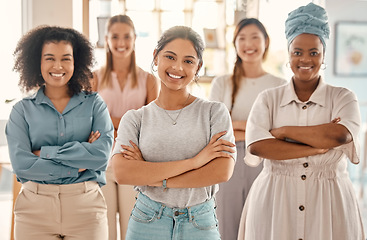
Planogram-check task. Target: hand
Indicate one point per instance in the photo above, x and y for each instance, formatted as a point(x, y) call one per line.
point(215, 149)
point(336, 120)
point(94, 136)
point(37, 152)
point(132, 153)
point(278, 133)
point(321, 150)
point(81, 169)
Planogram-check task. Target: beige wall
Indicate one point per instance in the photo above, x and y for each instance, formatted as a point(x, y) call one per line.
point(51, 12)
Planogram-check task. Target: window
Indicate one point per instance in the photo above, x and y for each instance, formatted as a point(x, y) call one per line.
point(11, 20)
point(152, 17)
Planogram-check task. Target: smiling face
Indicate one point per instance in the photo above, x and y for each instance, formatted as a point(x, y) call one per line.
point(177, 64)
point(305, 57)
point(250, 44)
point(57, 64)
point(121, 40)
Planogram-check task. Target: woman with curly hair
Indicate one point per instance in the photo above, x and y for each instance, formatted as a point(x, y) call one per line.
point(59, 139)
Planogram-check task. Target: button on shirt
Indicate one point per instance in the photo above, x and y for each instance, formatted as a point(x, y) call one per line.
point(35, 124)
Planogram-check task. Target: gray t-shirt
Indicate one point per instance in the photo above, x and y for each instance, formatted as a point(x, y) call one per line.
point(161, 141)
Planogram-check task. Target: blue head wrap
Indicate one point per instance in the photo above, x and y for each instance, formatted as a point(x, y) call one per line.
point(307, 19)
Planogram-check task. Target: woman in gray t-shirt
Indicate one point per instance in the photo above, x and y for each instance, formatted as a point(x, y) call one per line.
point(176, 149)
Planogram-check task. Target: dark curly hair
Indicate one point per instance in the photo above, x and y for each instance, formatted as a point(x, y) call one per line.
point(28, 57)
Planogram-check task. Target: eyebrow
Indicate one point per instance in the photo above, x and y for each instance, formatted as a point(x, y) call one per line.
point(50, 54)
point(312, 49)
point(188, 56)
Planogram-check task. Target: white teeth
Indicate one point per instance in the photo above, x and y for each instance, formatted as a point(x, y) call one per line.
point(174, 76)
point(121, 49)
point(306, 68)
point(250, 51)
point(57, 74)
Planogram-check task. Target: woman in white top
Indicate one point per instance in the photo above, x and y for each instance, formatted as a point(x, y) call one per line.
point(238, 92)
point(305, 132)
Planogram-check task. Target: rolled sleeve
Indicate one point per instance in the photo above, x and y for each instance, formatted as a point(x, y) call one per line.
point(347, 109)
point(258, 126)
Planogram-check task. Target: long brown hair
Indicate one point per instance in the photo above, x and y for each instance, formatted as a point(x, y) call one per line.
point(107, 69)
point(238, 70)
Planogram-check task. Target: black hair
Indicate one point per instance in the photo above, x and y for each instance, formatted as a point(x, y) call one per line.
point(28, 57)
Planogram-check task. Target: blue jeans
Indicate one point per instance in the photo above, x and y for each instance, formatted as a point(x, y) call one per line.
point(151, 220)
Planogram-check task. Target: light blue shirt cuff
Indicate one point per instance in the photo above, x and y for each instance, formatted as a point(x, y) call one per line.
point(49, 152)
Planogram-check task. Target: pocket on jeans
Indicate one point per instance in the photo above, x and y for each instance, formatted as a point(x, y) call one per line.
point(205, 221)
point(143, 213)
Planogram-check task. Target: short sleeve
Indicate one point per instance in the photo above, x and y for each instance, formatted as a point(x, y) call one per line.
point(129, 129)
point(221, 121)
point(347, 108)
point(258, 127)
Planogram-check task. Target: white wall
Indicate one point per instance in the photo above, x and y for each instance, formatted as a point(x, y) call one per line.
point(349, 10)
point(50, 12)
point(346, 10)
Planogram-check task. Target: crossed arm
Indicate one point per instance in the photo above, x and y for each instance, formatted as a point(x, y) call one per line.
point(210, 166)
point(305, 141)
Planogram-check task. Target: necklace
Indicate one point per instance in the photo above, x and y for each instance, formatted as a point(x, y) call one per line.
point(174, 121)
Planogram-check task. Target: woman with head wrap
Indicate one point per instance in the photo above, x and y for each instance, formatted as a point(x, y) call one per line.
point(304, 131)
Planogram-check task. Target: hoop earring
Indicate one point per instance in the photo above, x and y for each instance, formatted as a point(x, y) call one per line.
point(323, 66)
point(154, 68)
point(288, 65)
point(196, 78)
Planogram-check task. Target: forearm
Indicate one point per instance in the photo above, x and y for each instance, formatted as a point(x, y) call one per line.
point(275, 149)
point(328, 135)
point(38, 169)
point(80, 154)
point(239, 125)
point(239, 135)
point(217, 171)
point(134, 172)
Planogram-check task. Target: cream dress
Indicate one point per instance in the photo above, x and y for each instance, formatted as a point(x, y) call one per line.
point(310, 198)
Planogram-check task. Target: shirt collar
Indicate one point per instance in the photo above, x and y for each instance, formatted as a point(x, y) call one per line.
point(40, 98)
point(318, 96)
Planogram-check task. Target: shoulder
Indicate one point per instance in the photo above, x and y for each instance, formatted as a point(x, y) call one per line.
point(275, 80)
point(340, 92)
point(141, 73)
point(213, 106)
point(144, 75)
point(137, 115)
point(97, 73)
point(223, 79)
point(92, 97)
point(275, 92)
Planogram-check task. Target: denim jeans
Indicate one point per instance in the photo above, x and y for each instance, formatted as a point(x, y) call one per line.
point(150, 220)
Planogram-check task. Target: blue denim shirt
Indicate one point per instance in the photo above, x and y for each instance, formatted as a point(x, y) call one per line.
point(35, 124)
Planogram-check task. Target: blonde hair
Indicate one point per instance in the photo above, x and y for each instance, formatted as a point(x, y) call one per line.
point(107, 69)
